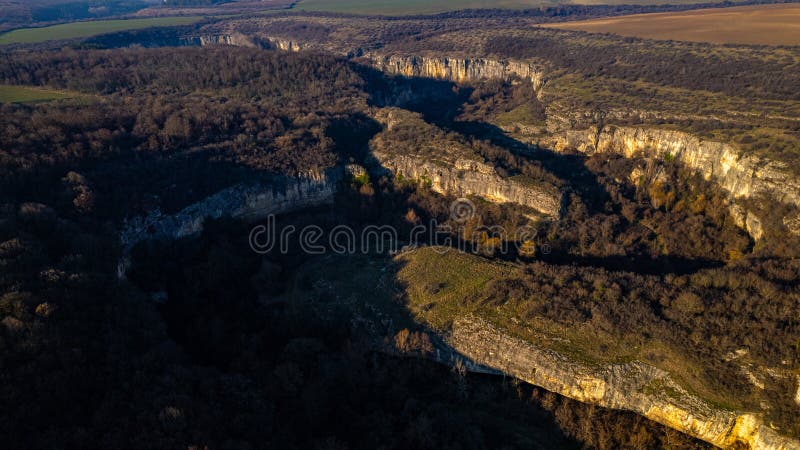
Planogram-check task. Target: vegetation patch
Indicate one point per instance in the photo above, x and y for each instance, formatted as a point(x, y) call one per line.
point(592, 317)
point(90, 28)
point(29, 94)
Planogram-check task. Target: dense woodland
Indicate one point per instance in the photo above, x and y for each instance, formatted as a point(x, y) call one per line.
point(691, 66)
point(199, 347)
point(178, 134)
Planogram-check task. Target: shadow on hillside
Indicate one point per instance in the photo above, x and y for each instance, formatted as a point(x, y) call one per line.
point(135, 182)
point(232, 311)
point(440, 102)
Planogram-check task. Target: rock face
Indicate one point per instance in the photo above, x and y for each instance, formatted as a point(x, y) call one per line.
point(745, 177)
point(234, 39)
point(450, 166)
point(464, 178)
point(632, 386)
point(250, 201)
point(457, 69)
point(242, 40)
point(286, 45)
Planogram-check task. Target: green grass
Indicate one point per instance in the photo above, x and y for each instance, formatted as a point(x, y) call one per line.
point(26, 94)
point(402, 7)
point(443, 287)
point(524, 114)
point(87, 29)
point(411, 6)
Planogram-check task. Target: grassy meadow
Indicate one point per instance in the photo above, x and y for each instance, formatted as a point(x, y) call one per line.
point(26, 94)
point(87, 29)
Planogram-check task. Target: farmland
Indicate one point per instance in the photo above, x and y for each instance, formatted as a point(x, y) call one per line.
point(396, 7)
point(87, 29)
point(411, 6)
point(762, 25)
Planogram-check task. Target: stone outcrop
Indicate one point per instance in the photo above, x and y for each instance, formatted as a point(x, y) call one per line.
point(234, 39)
point(747, 221)
point(463, 178)
point(457, 69)
point(632, 386)
point(286, 45)
point(451, 167)
point(249, 201)
point(242, 40)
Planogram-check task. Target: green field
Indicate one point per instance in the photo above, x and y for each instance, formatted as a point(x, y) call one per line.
point(25, 94)
point(410, 6)
point(401, 7)
point(87, 29)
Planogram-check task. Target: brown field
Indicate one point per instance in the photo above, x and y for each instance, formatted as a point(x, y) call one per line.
point(760, 24)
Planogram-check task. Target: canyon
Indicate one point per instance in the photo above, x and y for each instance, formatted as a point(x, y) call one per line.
point(748, 178)
point(459, 70)
point(450, 68)
point(752, 181)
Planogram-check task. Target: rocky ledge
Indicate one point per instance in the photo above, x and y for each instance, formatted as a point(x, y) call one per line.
point(464, 178)
point(745, 177)
point(457, 69)
point(632, 386)
point(451, 167)
point(249, 201)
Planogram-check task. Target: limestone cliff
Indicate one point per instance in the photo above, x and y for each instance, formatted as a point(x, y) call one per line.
point(464, 178)
point(287, 45)
point(237, 39)
point(456, 69)
point(745, 177)
point(632, 386)
point(450, 166)
point(234, 39)
point(249, 201)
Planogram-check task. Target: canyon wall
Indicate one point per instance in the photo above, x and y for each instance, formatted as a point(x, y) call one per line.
point(632, 386)
point(249, 201)
point(234, 39)
point(237, 39)
point(457, 69)
point(466, 177)
point(744, 177)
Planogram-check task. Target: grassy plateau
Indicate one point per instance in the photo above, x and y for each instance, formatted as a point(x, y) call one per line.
point(88, 29)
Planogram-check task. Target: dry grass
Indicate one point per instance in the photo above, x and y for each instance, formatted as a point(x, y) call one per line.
point(31, 94)
point(761, 24)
